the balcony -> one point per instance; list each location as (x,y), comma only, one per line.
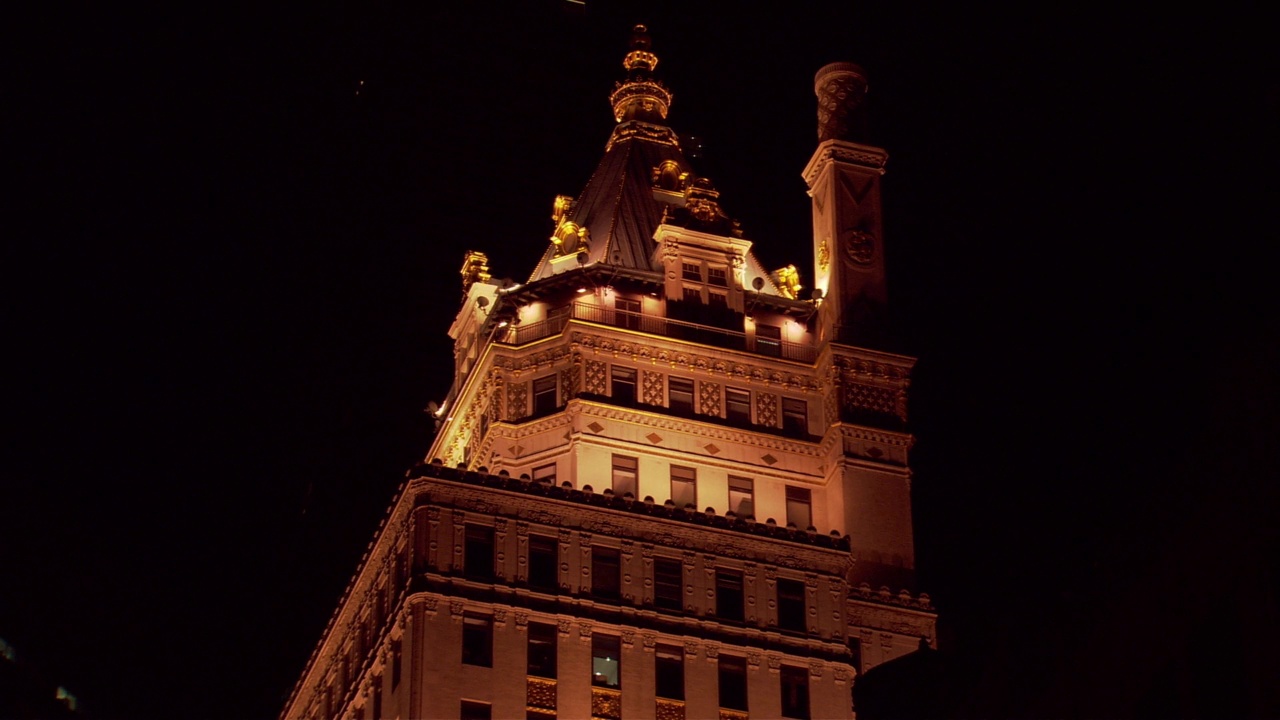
(655,325)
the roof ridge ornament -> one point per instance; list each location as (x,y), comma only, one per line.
(640,96)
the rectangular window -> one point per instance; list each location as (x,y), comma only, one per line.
(544,394)
(624,384)
(691,271)
(717,299)
(377,697)
(742,496)
(668,663)
(680,394)
(795,416)
(543,563)
(768,339)
(737,405)
(729,595)
(733,682)
(606,572)
(791,610)
(627,313)
(472,710)
(717,276)
(397,662)
(799,507)
(545,473)
(692,295)
(542,649)
(795,692)
(668,583)
(684,484)
(606,661)
(477,640)
(478,552)
(625,476)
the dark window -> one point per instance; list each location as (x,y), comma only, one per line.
(795,692)
(691,271)
(693,295)
(799,507)
(768,340)
(543,563)
(545,473)
(542,649)
(668,663)
(733,682)
(627,313)
(795,416)
(680,394)
(791,610)
(472,710)
(377,697)
(606,572)
(544,394)
(625,475)
(397,662)
(717,276)
(855,653)
(737,404)
(477,640)
(718,299)
(668,583)
(478,552)
(742,496)
(484,425)
(729,595)
(624,384)
(606,661)
(684,484)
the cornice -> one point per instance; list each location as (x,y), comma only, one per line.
(842,151)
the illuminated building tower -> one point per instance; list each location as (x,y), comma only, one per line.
(667,482)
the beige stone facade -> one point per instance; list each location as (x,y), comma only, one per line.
(667,483)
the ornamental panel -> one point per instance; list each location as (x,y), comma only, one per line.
(653,388)
(767,409)
(595,380)
(709,398)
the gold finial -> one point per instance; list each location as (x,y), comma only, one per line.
(475,268)
(640,97)
(560,208)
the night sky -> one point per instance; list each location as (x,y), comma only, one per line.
(232,252)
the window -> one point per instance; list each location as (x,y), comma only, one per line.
(791,609)
(729,595)
(737,404)
(542,650)
(668,583)
(768,339)
(693,295)
(606,572)
(397,662)
(624,475)
(684,482)
(718,299)
(680,394)
(624,384)
(668,673)
(717,276)
(545,473)
(627,313)
(795,692)
(478,552)
(543,563)
(795,416)
(377,697)
(472,710)
(691,271)
(544,394)
(606,661)
(742,496)
(799,507)
(733,682)
(477,640)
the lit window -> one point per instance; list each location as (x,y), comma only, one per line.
(733,682)
(737,405)
(542,650)
(742,496)
(478,552)
(795,416)
(624,384)
(544,394)
(795,692)
(624,475)
(606,661)
(680,394)
(768,339)
(477,640)
(543,563)
(668,663)
(606,572)
(791,610)
(729,595)
(691,271)
(684,486)
(717,276)
(799,507)
(668,583)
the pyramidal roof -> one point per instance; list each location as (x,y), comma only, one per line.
(643,181)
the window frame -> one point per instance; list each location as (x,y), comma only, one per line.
(736,484)
(623,383)
(663,579)
(792,607)
(730,595)
(477,639)
(544,394)
(736,398)
(601,644)
(796,703)
(546,636)
(536,567)
(679,486)
(731,680)
(668,672)
(475,539)
(797,497)
(627,468)
(606,572)
(672,390)
(795,415)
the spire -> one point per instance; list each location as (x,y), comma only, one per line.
(640,97)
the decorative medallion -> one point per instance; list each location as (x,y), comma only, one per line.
(860,247)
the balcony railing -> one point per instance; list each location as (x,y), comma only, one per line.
(656,325)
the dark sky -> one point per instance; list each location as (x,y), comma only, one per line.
(230,275)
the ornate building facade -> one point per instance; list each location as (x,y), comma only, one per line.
(667,482)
